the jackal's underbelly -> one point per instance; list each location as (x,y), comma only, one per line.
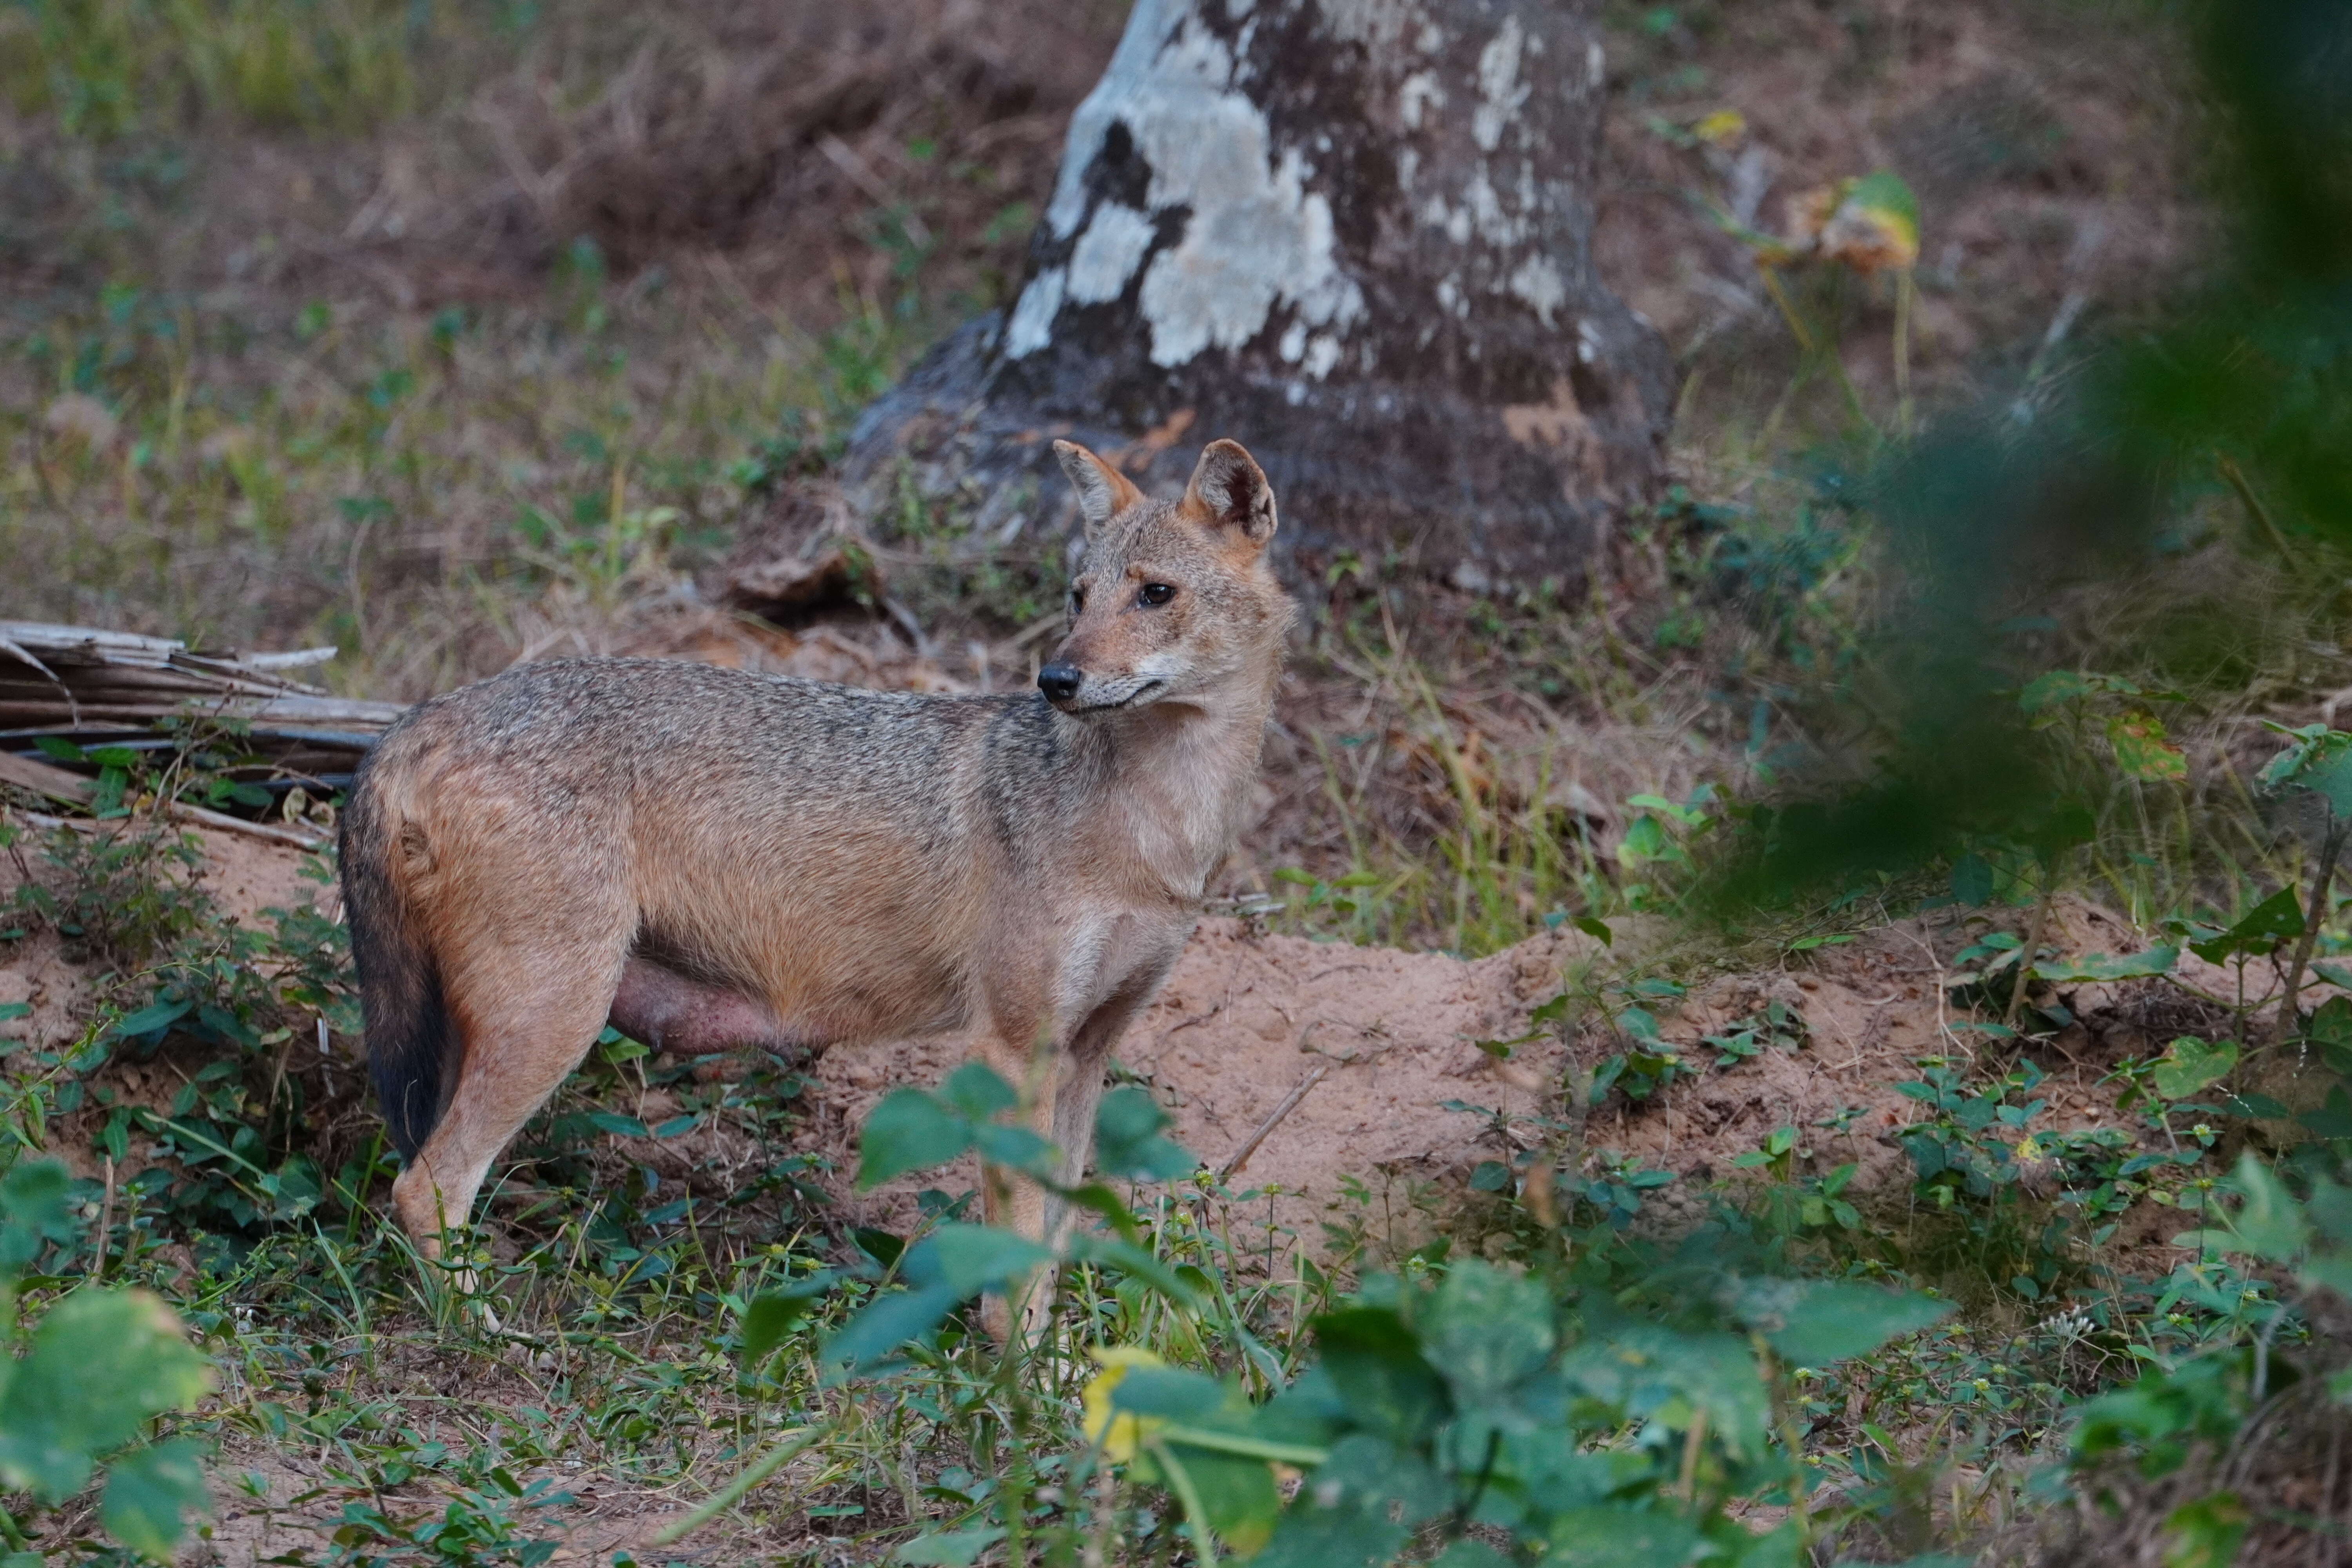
(829,946)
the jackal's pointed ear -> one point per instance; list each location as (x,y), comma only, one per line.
(1229,491)
(1103,491)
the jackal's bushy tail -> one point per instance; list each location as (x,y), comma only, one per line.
(412,1042)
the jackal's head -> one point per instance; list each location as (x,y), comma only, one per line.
(1175,601)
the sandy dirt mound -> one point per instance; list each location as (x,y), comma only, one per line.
(1247,1016)
(1245,1019)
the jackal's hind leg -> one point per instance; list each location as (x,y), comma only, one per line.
(525,1022)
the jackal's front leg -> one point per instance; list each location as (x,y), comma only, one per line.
(1061,1084)
(1013,1202)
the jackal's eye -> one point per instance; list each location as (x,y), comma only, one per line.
(1155,595)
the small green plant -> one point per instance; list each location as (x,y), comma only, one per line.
(914,1130)
(1484,1399)
(124,891)
(2181,1417)
(79,1386)
(2318,766)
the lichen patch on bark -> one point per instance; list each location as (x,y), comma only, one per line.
(1256,235)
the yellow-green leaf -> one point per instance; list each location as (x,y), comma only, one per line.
(1724,128)
(1119,1432)
(1873,224)
(2143,751)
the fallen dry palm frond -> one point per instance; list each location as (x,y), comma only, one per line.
(68,691)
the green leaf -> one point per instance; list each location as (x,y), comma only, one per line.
(975,1090)
(1127,1144)
(2322,764)
(878,1245)
(1169,1393)
(1645,840)
(1344,1531)
(2098,966)
(1236,1493)
(970,1258)
(1137,1263)
(949,1548)
(1972,880)
(148,1492)
(12,1011)
(2330,1028)
(2206,1533)
(888,1321)
(1596,928)
(2270,1222)
(2333,1119)
(56,747)
(909,1131)
(2190,1065)
(149,1018)
(33,1211)
(1640,1364)
(619,1125)
(1015,1148)
(1375,1362)
(1819,1323)
(1620,1537)
(1783,1546)
(1485,1330)
(2267,924)
(768,1317)
(2048,690)
(102,1363)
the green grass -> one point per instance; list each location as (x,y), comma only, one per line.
(109,68)
(436,497)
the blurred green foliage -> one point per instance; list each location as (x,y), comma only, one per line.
(2241,387)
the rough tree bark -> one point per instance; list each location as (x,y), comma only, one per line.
(1354,235)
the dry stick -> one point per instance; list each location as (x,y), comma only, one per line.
(1903,291)
(105,1222)
(72,789)
(1240,1156)
(2330,847)
(2254,507)
(2032,944)
(795,1444)
(1687,1484)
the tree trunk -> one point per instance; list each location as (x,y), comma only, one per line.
(1354,235)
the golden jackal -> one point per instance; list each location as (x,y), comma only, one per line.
(708,857)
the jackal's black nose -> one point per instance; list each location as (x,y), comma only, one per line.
(1059,681)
